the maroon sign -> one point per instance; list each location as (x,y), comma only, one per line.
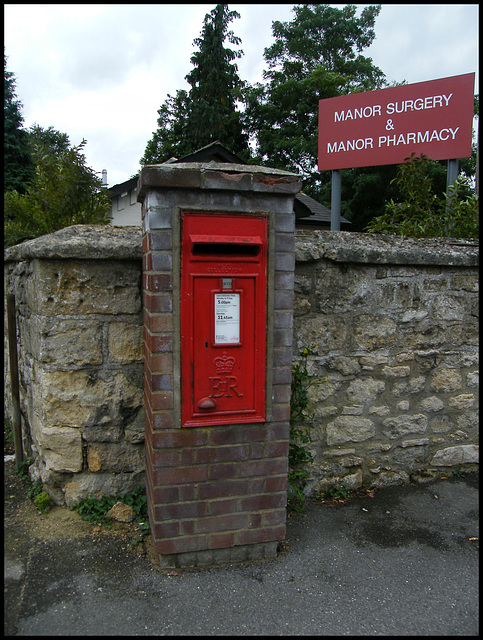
(385,126)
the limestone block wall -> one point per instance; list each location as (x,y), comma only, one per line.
(396,327)
(395,321)
(79,320)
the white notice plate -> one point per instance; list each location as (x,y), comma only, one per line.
(227,318)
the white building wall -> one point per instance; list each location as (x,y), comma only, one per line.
(126,210)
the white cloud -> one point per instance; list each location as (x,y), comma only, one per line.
(101,71)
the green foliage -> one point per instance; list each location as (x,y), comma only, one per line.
(63,192)
(298,454)
(421,213)
(315,56)
(43,502)
(8,438)
(18,166)
(35,491)
(94,509)
(191,120)
(337,492)
(23,470)
(49,140)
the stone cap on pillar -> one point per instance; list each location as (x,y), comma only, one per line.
(218,176)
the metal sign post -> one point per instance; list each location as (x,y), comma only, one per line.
(452,173)
(335,200)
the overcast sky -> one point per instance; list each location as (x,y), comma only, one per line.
(101,72)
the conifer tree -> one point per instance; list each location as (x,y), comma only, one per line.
(207,112)
(18,167)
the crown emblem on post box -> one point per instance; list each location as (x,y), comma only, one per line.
(224,363)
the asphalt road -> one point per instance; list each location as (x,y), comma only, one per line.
(404,562)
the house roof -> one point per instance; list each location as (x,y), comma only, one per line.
(117,189)
(306,209)
(213,151)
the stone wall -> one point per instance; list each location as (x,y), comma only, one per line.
(79,318)
(396,327)
(395,323)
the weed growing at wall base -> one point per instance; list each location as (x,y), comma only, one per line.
(298,454)
(94,509)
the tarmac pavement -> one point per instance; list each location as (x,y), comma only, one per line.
(404,562)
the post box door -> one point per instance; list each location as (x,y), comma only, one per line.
(223,319)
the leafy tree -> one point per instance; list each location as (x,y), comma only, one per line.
(421,212)
(46,141)
(207,112)
(315,56)
(18,167)
(64,191)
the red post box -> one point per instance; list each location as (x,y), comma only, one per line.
(223,318)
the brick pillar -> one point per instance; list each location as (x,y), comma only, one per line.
(215,493)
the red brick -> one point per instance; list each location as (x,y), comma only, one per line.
(277,483)
(282,356)
(222,540)
(228,522)
(257,485)
(159,344)
(281,393)
(189,527)
(166,529)
(169,458)
(273,517)
(161,400)
(162,420)
(263,467)
(222,471)
(276,449)
(147,261)
(159,362)
(282,375)
(281,412)
(181,475)
(158,302)
(180,545)
(180,438)
(254,433)
(159,240)
(230,505)
(267,501)
(159,322)
(224,489)
(224,435)
(257,450)
(157,282)
(160,382)
(163,495)
(254,520)
(252,536)
(222,454)
(188,492)
(180,511)
(278,431)
(161,261)
(188,457)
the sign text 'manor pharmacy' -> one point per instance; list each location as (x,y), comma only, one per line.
(385,126)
